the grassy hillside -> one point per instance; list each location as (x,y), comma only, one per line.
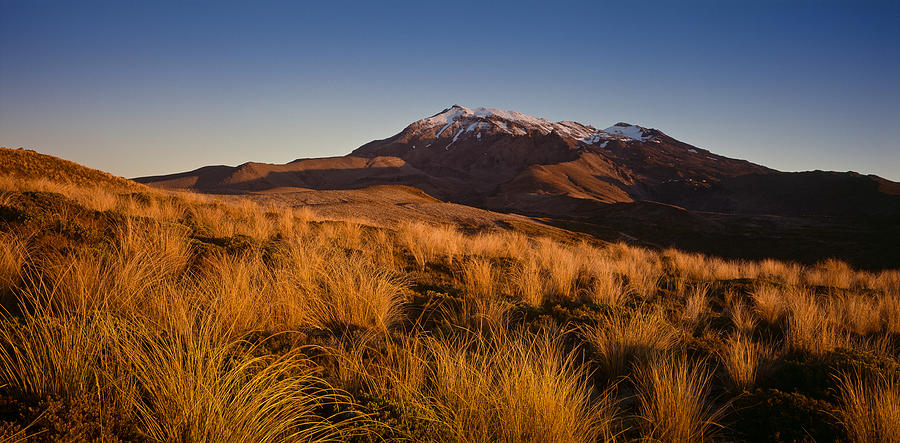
(31,165)
(141,315)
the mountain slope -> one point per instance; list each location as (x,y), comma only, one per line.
(320,173)
(833,194)
(299,184)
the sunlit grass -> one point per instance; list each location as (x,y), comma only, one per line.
(870,407)
(744,360)
(175,313)
(619,340)
(196,387)
(674,401)
(510,387)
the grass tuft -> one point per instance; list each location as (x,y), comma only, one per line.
(674,401)
(870,406)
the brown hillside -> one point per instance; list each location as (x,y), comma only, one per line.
(28,164)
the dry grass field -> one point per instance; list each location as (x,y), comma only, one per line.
(139,315)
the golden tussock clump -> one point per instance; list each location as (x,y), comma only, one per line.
(744,360)
(870,406)
(674,401)
(620,340)
(511,387)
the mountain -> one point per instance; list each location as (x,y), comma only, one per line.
(513,161)
(615,183)
(494,158)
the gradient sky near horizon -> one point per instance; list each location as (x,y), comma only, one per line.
(153,87)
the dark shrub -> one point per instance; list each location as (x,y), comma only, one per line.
(770,415)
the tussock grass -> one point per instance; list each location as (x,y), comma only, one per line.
(698,267)
(511,387)
(605,287)
(859,314)
(809,328)
(890,313)
(744,360)
(237,291)
(619,341)
(43,354)
(180,386)
(787,273)
(768,303)
(696,304)
(742,317)
(479,277)
(480,307)
(356,293)
(308,286)
(641,269)
(26,170)
(91,196)
(887,281)
(870,407)
(674,401)
(527,280)
(210,220)
(431,243)
(175,312)
(561,265)
(12,258)
(179,380)
(503,244)
(477,314)
(831,273)
(324,288)
(195,387)
(123,282)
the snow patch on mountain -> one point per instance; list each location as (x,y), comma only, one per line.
(444,128)
(630,131)
(596,138)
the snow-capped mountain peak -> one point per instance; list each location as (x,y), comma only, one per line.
(457,112)
(511,122)
(458,122)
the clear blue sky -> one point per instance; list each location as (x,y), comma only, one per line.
(139,88)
